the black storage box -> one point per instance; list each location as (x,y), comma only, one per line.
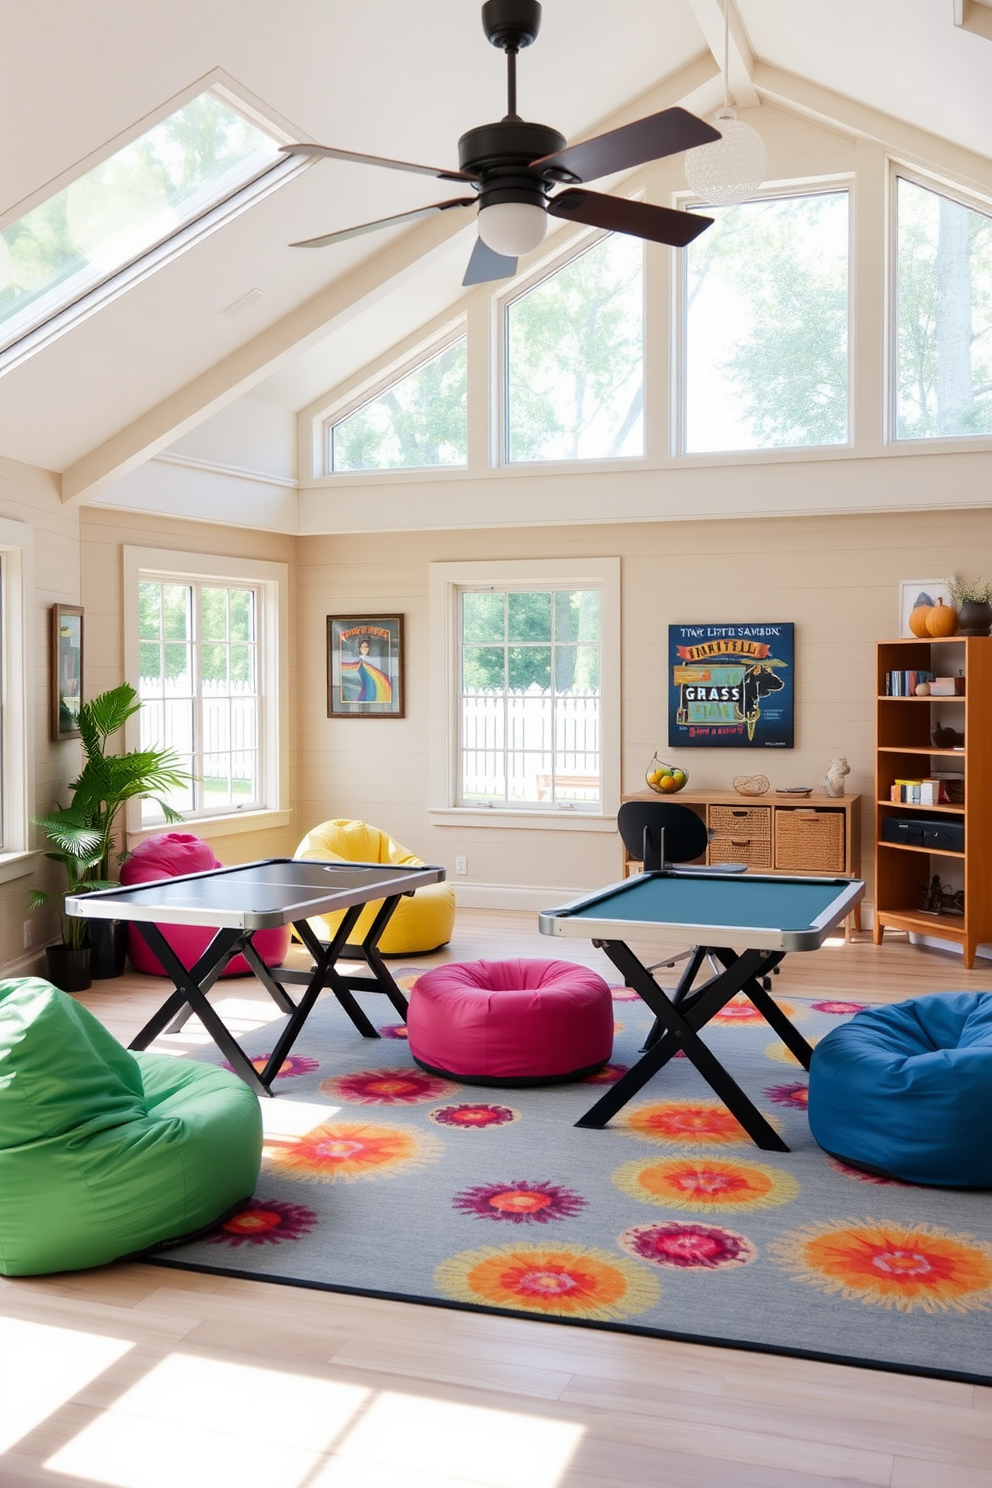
(939,833)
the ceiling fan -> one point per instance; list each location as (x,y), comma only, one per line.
(513,166)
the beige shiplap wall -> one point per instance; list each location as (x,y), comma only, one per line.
(32,496)
(103,536)
(836,578)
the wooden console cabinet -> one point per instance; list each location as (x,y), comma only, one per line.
(774,834)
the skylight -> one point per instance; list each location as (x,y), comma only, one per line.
(130,203)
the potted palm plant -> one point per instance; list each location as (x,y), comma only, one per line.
(83,834)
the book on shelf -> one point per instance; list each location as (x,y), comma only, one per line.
(904,684)
(930,792)
(947,687)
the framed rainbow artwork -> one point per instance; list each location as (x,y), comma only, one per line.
(365,666)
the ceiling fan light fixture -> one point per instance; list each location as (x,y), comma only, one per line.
(512,228)
(730,169)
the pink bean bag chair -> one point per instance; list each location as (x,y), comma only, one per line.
(170,855)
(511,1022)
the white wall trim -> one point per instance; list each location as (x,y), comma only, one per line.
(17,560)
(504,896)
(215,467)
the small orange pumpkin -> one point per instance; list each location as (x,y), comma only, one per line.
(942,620)
(918,620)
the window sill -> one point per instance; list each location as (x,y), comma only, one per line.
(16,865)
(216,826)
(545,821)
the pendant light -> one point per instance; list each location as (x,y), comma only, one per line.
(731,168)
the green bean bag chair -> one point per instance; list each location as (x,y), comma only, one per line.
(104,1153)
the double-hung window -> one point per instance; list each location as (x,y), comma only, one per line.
(526,659)
(205,637)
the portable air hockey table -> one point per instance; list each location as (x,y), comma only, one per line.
(259,896)
(743,923)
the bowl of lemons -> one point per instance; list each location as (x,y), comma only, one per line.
(664,779)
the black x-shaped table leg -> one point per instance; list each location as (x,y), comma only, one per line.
(678,1020)
(193,985)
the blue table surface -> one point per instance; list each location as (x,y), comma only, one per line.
(698,900)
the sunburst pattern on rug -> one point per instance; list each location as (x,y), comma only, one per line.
(352,1150)
(684,1124)
(783,1055)
(882,1263)
(687,1245)
(387,1087)
(741,1009)
(265,1222)
(706,1183)
(574,1281)
(473,1116)
(520,1203)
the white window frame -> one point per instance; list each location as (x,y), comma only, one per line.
(499,409)
(17,854)
(446,581)
(272,582)
(358,396)
(937,186)
(148,262)
(679,340)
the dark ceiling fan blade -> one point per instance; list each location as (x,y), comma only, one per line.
(640,219)
(620,149)
(330,153)
(486,264)
(367,227)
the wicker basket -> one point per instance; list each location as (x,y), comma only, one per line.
(741,821)
(809,840)
(755,851)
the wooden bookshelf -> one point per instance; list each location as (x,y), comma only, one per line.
(903,750)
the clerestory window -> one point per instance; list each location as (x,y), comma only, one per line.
(943,355)
(765,326)
(132,202)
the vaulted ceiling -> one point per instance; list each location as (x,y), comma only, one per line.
(395,78)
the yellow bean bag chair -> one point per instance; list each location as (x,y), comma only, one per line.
(420,923)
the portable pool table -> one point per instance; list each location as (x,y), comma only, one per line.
(744,923)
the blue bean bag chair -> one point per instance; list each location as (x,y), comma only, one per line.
(906,1090)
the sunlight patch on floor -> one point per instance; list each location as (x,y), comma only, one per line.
(292,1118)
(195,1421)
(42,1367)
(412,1440)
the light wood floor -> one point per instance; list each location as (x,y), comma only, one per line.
(145,1378)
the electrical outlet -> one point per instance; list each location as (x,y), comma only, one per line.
(461,865)
(27,935)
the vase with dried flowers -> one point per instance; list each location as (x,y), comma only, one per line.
(972,599)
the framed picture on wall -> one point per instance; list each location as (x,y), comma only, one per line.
(365,666)
(66,670)
(731,686)
(913,592)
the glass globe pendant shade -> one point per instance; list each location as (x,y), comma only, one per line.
(730,169)
(512,228)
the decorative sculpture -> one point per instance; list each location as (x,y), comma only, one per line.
(833,781)
(940,900)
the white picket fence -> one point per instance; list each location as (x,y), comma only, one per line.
(530,747)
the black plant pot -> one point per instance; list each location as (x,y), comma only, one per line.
(69,967)
(108,948)
(975,618)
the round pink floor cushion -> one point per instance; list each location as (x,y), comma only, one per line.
(169,855)
(511,1022)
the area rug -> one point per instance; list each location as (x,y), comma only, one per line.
(382,1180)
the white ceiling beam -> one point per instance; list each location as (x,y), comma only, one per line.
(311,322)
(709,17)
(837,112)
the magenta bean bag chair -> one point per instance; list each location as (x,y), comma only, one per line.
(170,855)
(511,1022)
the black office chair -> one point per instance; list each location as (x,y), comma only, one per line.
(663,834)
